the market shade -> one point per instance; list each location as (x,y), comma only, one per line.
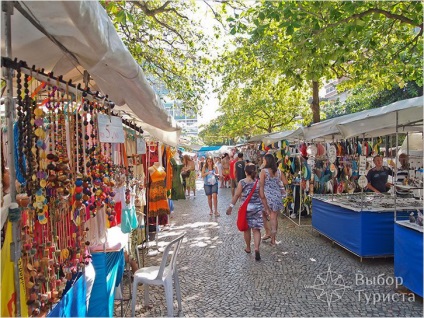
(67,37)
(382,121)
(290,135)
(325,130)
(226,149)
(258,137)
(413,144)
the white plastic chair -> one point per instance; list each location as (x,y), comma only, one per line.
(160,275)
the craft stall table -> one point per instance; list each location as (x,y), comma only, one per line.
(109,264)
(409,255)
(73,303)
(362,224)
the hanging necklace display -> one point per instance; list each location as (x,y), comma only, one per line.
(26,134)
(20,167)
(54,234)
(30,137)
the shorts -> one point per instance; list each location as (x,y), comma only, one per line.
(226,174)
(209,189)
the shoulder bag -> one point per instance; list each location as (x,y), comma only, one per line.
(242,212)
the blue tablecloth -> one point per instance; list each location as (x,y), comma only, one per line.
(409,257)
(109,269)
(366,234)
(72,303)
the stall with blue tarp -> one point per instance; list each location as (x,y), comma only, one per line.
(73,303)
(206,149)
(366,231)
(109,269)
(409,255)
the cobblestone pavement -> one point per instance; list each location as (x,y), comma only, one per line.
(219,279)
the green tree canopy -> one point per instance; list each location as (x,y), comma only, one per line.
(170,44)
(376,44)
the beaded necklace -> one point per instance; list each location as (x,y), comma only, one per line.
(21,170)
(29,137)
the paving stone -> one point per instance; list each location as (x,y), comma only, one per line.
(218,279)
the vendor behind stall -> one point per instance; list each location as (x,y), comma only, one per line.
(378,176)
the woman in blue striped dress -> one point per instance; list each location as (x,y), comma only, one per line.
(254,208)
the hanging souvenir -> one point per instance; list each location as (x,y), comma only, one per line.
(321,151)
(362,181)
(302,150)
(311,150)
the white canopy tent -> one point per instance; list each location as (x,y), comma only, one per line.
(413,144)
(368,123)
(401,116)
(68,37)
(226,149)
(326,130)
(258,137)
(290,135)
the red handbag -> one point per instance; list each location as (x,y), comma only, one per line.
(241,216)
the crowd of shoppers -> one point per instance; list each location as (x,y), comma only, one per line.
(242,176)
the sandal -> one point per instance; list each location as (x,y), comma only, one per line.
(217,214)
(266,237)
(210,213)
(257,256)
(247,251)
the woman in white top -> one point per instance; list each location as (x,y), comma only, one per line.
(209,175)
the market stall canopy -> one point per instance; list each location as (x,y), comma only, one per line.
(191,146)
(290,135)
(208,150)
(68,37)
(226,149)
(406,115)
(325,130)
(413,144)
(258,138)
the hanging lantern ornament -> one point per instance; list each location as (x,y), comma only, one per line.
(302,150)
(332,154)
(312,150)
(321,150)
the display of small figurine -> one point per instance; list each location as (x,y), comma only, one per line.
(419,219)
(412,217)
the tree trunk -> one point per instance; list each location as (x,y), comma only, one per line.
(315,102)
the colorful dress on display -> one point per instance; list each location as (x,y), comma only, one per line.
(158,200)
(177,185)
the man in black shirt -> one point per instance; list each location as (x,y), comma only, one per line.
(240,167)
(378,176)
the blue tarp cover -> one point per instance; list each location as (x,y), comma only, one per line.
(203,151)
(365,233)
(409,258)
(209,148)
(109,269)
(73,303)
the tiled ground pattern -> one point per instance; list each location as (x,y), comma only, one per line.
(218,279)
